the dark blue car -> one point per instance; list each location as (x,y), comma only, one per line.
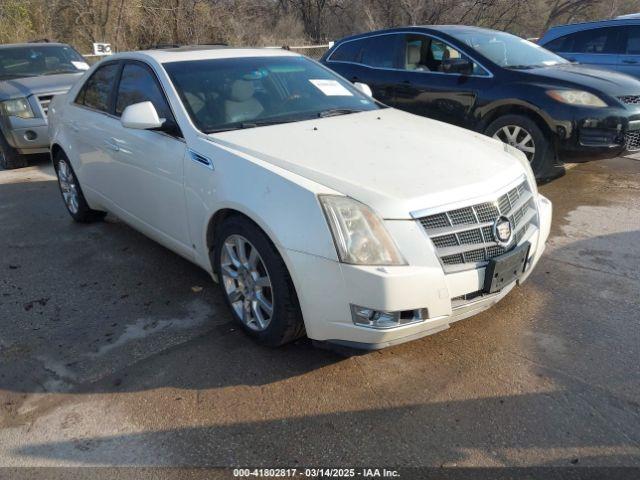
(500,85)
(612,44)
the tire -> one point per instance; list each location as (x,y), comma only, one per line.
(9,156)
(242,278)
(524,134)
(71,192)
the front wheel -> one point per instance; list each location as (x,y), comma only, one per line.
(524,134)
(72,195)
(9,156)
(256,283)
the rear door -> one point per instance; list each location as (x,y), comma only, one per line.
(88,122)
(596,46)
(432,86)
(372,60)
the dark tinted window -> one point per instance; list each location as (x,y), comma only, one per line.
(562,44)
(348,52)
(380,51)
(138,84)
(598,40)
(97,91)
(633,41)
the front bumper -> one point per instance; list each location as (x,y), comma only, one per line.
(395,289)
(26,135)
(597,133)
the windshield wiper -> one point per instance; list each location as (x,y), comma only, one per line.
(257,123)
(337,111)
(522,67)
(10,76)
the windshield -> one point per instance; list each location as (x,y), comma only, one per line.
(36,60)
(508,50)
(232,93)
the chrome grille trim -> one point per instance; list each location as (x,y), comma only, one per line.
(630,99)
(464,238)
(44,101)
(632,140)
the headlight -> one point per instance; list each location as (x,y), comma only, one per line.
(576,97)
(359,234)
(17,107)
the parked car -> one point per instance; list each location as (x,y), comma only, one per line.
(316,208)
(30,75)
(612,44)
(497,84)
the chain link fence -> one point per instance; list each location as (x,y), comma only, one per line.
(311,51)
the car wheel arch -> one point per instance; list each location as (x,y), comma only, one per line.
(218,218)
(55,150)
(519,108)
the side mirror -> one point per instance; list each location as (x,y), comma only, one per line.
(457,65)
(364,88)
(141,116)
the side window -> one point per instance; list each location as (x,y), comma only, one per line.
(138,84)
(348,52)
(598,40)
(425,54)
(380,51)
(633,41)
(96,92)
(560,45)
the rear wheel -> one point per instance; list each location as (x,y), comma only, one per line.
(256,283)
(72,193)
(523,133)
(9,156)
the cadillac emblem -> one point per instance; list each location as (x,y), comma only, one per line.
(502,231)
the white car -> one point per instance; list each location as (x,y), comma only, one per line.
(316,208)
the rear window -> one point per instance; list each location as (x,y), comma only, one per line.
(348,52)
(96,92)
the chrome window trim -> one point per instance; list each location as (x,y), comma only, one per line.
(489,73)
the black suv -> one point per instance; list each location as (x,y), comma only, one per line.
(498,84)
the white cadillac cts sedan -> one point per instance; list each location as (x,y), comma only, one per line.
(316,208)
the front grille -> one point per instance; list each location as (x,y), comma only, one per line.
(464,237)
(632,140)
(630,99)
(45,100)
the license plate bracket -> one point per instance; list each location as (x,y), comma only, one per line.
(505,269)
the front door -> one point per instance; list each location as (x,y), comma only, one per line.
(149,164)
(438,81)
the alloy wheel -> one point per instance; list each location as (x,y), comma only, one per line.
(68,186)
(246,282)
(519,138)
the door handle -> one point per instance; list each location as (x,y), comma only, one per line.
(630,61)
(111,145)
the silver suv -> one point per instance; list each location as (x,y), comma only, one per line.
(30,75)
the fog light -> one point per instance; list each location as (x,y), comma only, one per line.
(368,317)
(30,135)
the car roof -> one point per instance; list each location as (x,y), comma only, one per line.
(203,52)
(433,29)
(561,30)
(34,44)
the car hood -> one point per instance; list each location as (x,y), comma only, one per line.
(23,87)
(606,81)
(393,161)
